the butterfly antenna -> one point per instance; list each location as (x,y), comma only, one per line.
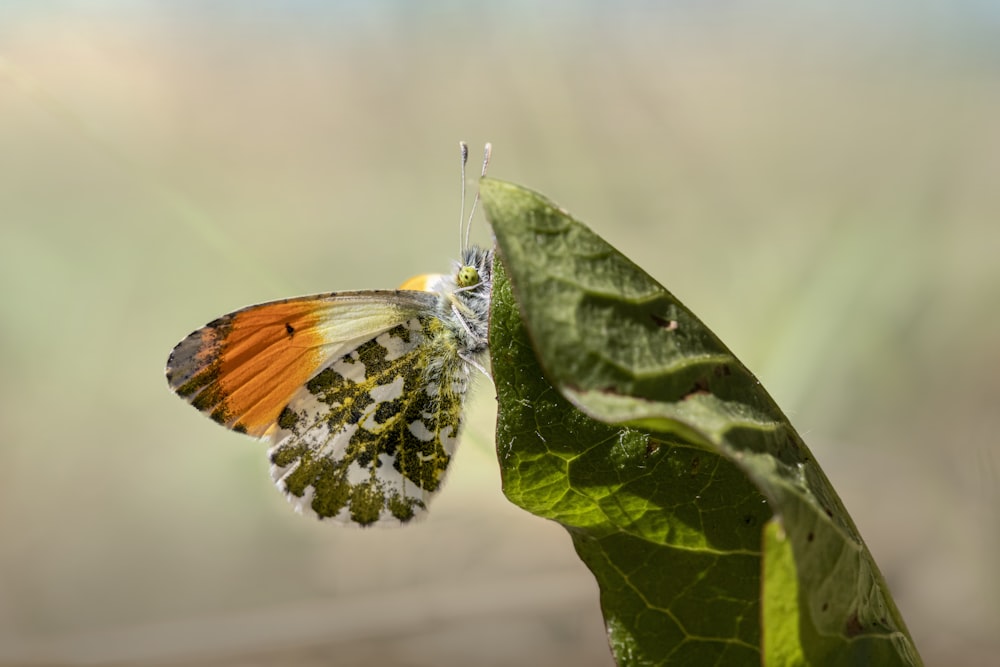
(486,162)
(464,147)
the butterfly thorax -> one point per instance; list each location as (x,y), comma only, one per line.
(464,300)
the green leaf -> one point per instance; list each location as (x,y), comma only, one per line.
(713,535)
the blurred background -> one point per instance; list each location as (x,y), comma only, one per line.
(819,184)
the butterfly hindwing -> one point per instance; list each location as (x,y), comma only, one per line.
(369,438)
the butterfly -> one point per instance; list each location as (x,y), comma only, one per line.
(359,394)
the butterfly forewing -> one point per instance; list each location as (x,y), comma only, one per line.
(243,368)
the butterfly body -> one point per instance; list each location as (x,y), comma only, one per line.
(360,394)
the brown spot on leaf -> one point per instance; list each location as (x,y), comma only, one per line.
(663,323)
(695,465)
(699,387)
(853,627)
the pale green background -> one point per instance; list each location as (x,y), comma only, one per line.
(822,187)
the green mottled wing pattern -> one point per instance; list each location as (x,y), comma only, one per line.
(369,438)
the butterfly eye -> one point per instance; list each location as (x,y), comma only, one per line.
(467,277)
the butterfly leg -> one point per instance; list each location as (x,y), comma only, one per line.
(473,362)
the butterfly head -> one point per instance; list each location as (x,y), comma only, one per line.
(467,276)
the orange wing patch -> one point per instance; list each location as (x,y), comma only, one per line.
(269,353)
(243,368)
(425,282)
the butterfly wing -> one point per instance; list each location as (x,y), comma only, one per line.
(359,393)
(368,439)
(243,368)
